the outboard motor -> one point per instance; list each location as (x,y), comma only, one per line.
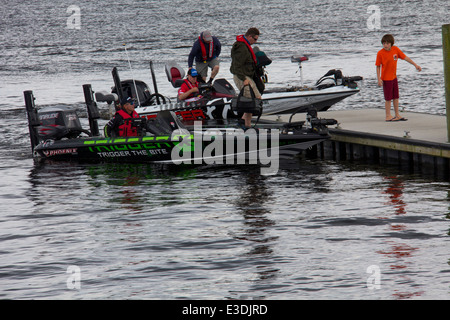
(59,122)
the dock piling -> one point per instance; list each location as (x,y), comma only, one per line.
(446,56)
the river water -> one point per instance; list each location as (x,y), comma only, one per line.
(316,230)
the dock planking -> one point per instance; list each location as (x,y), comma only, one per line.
(419,144)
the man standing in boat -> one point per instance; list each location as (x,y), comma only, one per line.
(243,67)
(121,125)
(205,52)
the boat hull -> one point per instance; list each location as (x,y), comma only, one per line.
(273,103)
(184,148)
(300,101)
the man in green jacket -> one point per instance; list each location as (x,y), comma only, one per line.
(243,66)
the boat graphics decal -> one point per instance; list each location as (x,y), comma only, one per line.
(130,153)
(50,153)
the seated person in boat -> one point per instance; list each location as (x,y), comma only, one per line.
(121,125)
(189,91)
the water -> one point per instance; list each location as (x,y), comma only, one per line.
(316,230)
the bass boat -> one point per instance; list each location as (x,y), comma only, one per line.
(216,97)
(56,134)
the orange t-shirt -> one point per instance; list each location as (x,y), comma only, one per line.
(388,62)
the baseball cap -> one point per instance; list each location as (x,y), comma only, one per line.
(207,35)
(193,72)
(126,100)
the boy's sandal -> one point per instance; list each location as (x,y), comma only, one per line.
(399,119)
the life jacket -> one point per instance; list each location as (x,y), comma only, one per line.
(126,129)
(211,49)
(190,86)
(243,39)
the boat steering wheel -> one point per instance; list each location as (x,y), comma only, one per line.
(157,96)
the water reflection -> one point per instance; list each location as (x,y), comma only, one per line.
(395,193)
(399,252)
(129,186)
(136,186)
(254,195)
(50,182)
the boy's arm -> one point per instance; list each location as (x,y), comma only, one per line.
(380,82)
(407,59)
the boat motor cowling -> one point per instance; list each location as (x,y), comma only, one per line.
(58,122)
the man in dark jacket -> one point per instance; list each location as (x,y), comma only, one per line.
(205,52)
(243,66)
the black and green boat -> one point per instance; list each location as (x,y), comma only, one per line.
(56,134)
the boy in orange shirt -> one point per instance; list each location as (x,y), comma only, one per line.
(387,74)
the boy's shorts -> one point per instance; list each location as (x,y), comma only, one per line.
(390,89)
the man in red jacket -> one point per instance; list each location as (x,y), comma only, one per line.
(188,91)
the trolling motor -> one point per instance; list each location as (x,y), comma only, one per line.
(337,79)
(333,74)
(316,124)
(299,60)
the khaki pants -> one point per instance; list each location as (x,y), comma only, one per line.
(202,67)
(240,84)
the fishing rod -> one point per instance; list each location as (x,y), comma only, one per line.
(132,74)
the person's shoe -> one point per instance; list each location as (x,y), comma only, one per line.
(241,124)
(210,81)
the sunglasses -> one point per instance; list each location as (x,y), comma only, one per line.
(130,101)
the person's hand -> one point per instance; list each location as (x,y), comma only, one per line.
(418,68)
(380,82)
(246,82)
(195,89)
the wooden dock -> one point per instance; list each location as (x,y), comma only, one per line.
(417,145)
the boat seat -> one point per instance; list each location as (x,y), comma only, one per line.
(102,96)
(175,74)
(299,59)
